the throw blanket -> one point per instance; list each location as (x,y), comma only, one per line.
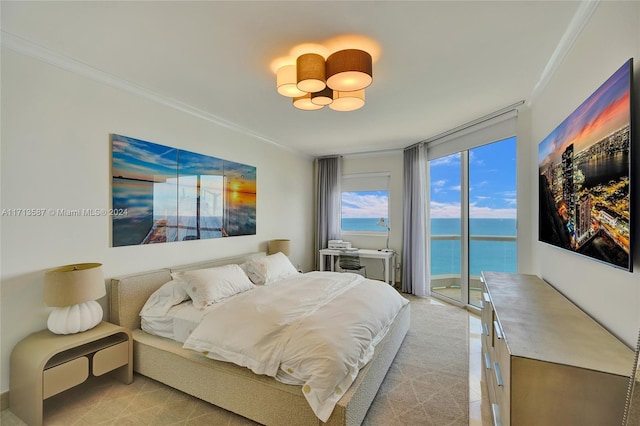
(316,329)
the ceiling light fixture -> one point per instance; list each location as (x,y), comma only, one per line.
(337,82)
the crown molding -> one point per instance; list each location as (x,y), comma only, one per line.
(43,54)
(583,14)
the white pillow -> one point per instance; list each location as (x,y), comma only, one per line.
(269,269)
(208,286)
(158,304)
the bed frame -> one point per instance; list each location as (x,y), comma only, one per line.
(235,388)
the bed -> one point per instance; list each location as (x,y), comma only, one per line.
(232,387)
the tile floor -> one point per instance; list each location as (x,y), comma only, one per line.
(479,407)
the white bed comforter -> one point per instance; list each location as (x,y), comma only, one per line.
(317,329)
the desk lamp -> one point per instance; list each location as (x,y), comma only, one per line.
(382,222)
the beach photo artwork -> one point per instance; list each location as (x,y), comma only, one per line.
(176,195)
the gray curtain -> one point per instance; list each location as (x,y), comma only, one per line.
(415,230)
(328,227)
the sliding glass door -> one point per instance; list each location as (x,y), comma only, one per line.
(473,218)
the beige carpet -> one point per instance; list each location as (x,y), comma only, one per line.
(427,385)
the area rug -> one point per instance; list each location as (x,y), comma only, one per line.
(428,383)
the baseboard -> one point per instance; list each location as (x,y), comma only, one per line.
(4,400)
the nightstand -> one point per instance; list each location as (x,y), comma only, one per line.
(44,364)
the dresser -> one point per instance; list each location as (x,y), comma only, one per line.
(545,361)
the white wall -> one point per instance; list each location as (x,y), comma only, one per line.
(609,39)
(56,154)
(387,162)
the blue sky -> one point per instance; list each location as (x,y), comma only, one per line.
(492,182)
(370,204)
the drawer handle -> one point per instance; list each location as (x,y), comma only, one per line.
(485,329)
(495,410)
(498,373)
(498,330)
(487,361)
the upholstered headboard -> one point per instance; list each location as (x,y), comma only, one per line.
(128,293)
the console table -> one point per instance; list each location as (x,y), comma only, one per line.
(388,256)
(545,361)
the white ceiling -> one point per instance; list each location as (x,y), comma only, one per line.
(442,64)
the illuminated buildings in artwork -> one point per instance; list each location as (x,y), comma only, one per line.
(583,217)
(567,180)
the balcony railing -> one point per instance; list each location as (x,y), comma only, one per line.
(483,260)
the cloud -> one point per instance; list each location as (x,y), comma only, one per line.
(449,160)
(365,204)
(453,210)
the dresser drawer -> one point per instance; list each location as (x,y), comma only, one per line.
(64,376)
(110,358)
(502,375)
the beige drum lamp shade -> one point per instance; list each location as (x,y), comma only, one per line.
(286,82)
(304,103)
(283,246)
(72,290)
(347,101)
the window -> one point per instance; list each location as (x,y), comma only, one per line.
(472,208)
(365,201)
(473,217)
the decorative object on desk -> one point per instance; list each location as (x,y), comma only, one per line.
(338,244)
(350,260)
(73,290)
(281,245)
(382,222)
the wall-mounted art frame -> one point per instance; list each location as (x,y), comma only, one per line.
(585,176)
(176,195)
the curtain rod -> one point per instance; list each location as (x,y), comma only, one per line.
(469,124)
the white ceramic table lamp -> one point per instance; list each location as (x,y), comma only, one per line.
(73,290)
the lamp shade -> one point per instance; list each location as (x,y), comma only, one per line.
(283,246)
(310,72)
(347,101)
(323,97)
(304,103)
(286,81)
(349,70)
(73,284)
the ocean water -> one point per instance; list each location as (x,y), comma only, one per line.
(497,256)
